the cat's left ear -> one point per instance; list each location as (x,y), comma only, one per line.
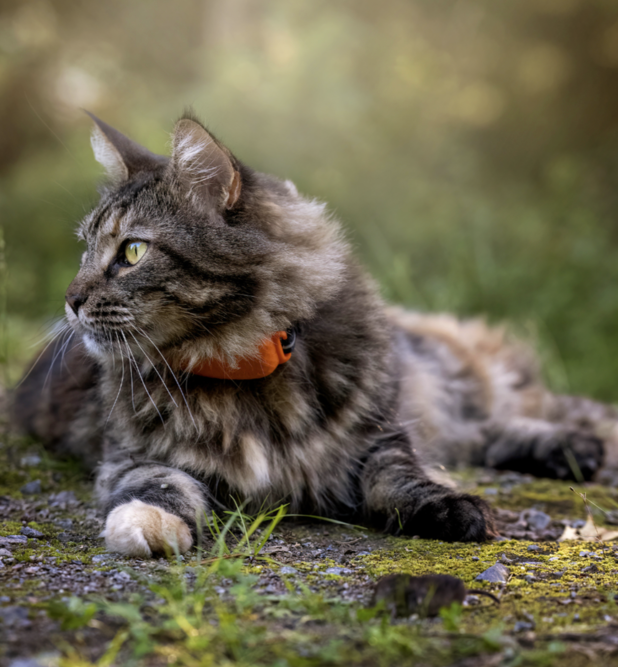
(121,156)
(203,166)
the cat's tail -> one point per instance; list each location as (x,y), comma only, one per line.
(56,402)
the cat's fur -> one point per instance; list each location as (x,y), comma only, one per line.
(345,429)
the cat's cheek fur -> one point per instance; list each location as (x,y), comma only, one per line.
(141,530)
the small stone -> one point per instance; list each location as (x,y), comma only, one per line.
(26,662)
(475,558)
(101,558)
(31,532)
(14,616)
(288,569)
(65,524)
(583,554)
(63,498)
(31,488)
(13,539)
(496,574)
(537,520)
(530,578)
(337,570)
(490,491)
(534,547)
(591,569)
(32,460)
(5,553)
(523,626)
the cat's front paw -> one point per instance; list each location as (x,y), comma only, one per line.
(454,517)
(141,530)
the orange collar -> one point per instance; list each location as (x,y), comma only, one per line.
(271,354)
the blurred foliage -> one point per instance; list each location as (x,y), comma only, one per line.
(469,146)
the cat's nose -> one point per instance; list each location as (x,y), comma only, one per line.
(76,300)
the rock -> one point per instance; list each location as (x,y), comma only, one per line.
(591,569)
(31,532)
(63,498)
(337,570)
(31,488)
(288,569)
(534,547)
(491,491)
(14,616)
(5,553)
(496,574)
(523,626)
(65,524)
(537,520)
(30,461)
(101,558)
(13,540)
(26,662)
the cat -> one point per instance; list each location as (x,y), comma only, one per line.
(226,347)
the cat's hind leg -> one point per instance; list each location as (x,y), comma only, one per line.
(400,498)
(544,449)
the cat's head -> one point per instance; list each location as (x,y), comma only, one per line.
(197,253)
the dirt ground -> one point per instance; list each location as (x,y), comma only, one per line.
(299,591)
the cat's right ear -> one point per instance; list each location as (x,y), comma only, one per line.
(205,169)
(121,157)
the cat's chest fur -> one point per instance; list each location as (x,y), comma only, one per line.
(264,439)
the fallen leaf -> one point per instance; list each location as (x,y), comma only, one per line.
(588,533)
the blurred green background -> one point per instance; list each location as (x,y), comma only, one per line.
(469,146)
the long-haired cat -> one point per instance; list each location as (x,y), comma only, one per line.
(225,344)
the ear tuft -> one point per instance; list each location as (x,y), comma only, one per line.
(204,167)
(106,154)
(121,157)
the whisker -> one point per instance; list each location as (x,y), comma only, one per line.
(121,383)
(56,353)
(155,369)
(182,393)
(142,379)
(59,333)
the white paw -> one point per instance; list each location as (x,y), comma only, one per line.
(139,529)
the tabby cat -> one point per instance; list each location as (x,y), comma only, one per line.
(225,347)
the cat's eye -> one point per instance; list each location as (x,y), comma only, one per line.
(134,251)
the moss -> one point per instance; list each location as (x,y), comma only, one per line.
(546,599)
(554,497)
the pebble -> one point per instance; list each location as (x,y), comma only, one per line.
(591,569)
(537,520)
(523,626)
(13,539)
(31,488)
(288,569)
(5,553)
(101,558)
(14,616)
(491,491)
(496,574)
(65,524)
(534,547)
(31,532)
(32,460)
(337,570)
(25,662)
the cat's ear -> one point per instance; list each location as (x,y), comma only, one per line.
(121,157)
(204,167)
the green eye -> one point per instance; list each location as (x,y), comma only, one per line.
(134,251)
